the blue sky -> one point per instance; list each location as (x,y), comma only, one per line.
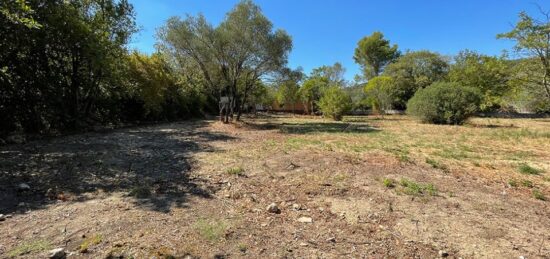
(325,32)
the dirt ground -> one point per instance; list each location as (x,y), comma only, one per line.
(363,188)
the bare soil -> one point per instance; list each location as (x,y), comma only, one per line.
(200,189)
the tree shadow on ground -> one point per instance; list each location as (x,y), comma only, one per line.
(151,164)
(310,127)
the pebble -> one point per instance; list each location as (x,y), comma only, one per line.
(57,253)
(2,217)
(296,206)
(443,253)
(305,220)
(331,239)
(23,187)
(273,208)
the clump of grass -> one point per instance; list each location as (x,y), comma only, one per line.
(388,183)
(417,189)
(140,192)
(236,170)
(30,247)
(527,169)
(94,240)
(212,230)
(437,165)
(527,183)
(513,183)
(539,195)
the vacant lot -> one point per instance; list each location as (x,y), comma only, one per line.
(366,187)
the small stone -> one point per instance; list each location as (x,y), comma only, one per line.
(273,208)
(296,206)
(23,187)
(303,244)
(305,220)
(2,217)
(443,253)
(331,239)
(263,225)
(57,253)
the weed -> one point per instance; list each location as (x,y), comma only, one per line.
(212,230)
(538,195)
(237,170)
(527,169)
(30,247)
(513,183)
(95,240)
(437,165)
(527,183)
(140,192)
(388,183)
(417,189)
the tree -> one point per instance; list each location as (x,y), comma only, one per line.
(444,103)
(414,71)
(335,103)
(289,87)
(334,74)
(379,93)
(241,50)
(488,74)
(532,37)
(373,53)
(310,91)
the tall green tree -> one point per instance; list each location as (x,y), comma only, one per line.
(241,50)
(413,71)
(532,37)
(373,53)
(379,93)
(488,74)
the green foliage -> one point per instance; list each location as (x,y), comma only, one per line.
(388,183)
(379,93)
(335,103)
(238,171)
(373,53)
(531,37)
(444,103)
(414,71)
(417,189)
(527,169)
(488,74)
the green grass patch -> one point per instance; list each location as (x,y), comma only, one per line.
(436,164)
(211,230)
(527,183)
(527,169)
(91,241)
(236,170)
(538,195)
(31,247)
(417,189)
(388,183)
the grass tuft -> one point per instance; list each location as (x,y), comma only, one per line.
(417,189)
(388,183)
(140,192)
(527,169)
(211,230)
(30,247)
(237,170)
(91,241)
(539,195)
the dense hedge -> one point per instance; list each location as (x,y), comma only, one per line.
(444,103)
(335,103)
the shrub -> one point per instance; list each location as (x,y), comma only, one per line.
(444,103)
(335,103)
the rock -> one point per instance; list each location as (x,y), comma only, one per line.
(305,220)
(2,217)
(303,244)
(23,187)
(296,206)
(57,253)
(331,239)
(273,208)
(16,139)
(443,253)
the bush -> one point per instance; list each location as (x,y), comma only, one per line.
(335,103)
(444,103)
